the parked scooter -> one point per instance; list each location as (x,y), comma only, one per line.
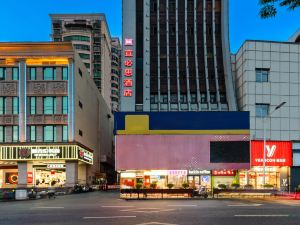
(202,192)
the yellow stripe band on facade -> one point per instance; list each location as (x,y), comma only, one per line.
(166,132)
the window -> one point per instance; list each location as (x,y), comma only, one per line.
(2,73)
(183,98)
(84,56)
(15,73)
(87,65)
(65,134)
(193,98)
(82,47)
(32,133)
(49,133)
(49,73)
(2,105)
(15,134)
(262,110)
(15,105)
(80,104)
(2,133)
(80,133)
(32,105)
(80,72)
(32,73)
(65,73)
(262,75)
(49,105)
(65,104)
(203,98)
(77,38)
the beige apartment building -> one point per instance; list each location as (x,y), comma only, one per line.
(55,127)
(90,36)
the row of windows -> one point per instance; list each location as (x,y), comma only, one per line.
(49,105)
(77,38)
(49,73)
(15,73)
(84,56)
(82,47)
(49,133)
(184,99)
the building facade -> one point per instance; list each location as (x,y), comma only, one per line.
(201,148)
(91,38)
(176,56)
(54,124)
(115,73)
(267,74)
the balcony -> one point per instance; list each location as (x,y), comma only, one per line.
(6,120)
(59,119)
(9,88)
(41,88)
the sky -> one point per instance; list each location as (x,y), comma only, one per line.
(28,20)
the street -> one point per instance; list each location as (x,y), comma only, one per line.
(108,209)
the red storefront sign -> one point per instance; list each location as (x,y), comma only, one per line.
(128,70)
(278,153)
(224,172)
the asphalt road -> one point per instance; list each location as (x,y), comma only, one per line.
(106,209)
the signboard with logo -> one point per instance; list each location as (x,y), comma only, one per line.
(278,153)
(46,152)
(199,172)
(224,172)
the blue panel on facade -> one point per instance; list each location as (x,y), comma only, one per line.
(190,120)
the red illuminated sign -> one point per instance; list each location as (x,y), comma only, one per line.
(224,172)
(127,82)
(128,73)
(128,63)
(128,53)
(278,153)
(127,93)
(128,42)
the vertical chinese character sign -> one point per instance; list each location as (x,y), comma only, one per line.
(128,68)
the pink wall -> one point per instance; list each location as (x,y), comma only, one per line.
(170,152)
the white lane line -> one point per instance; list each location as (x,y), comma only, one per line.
(245,205)
(262,215)
(116,206)
(106,217)
(49,207)
(182,205)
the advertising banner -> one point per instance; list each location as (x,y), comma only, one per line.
(278,153)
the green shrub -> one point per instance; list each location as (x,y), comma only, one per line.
(222,186)
(269,186)
(170,186)
(185,185)
(138,185)
(298,187)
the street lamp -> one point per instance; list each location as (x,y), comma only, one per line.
(264,125)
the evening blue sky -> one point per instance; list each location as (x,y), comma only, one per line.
(28,20)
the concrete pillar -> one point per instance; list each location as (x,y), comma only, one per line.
(82,174)
(71,173)
(22,174)
(71,102)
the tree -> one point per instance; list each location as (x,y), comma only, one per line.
(269,7)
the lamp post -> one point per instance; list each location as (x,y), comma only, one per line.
(264,126)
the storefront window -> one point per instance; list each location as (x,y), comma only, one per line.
(50,178)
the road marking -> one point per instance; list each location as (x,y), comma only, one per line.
(49,207)
(156,223)
(245,205)
(116,206)
(261,215)
(147,210)
(182,205)
(106,217)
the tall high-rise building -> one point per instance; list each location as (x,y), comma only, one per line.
(176,56)
(115,73)
(91,38)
